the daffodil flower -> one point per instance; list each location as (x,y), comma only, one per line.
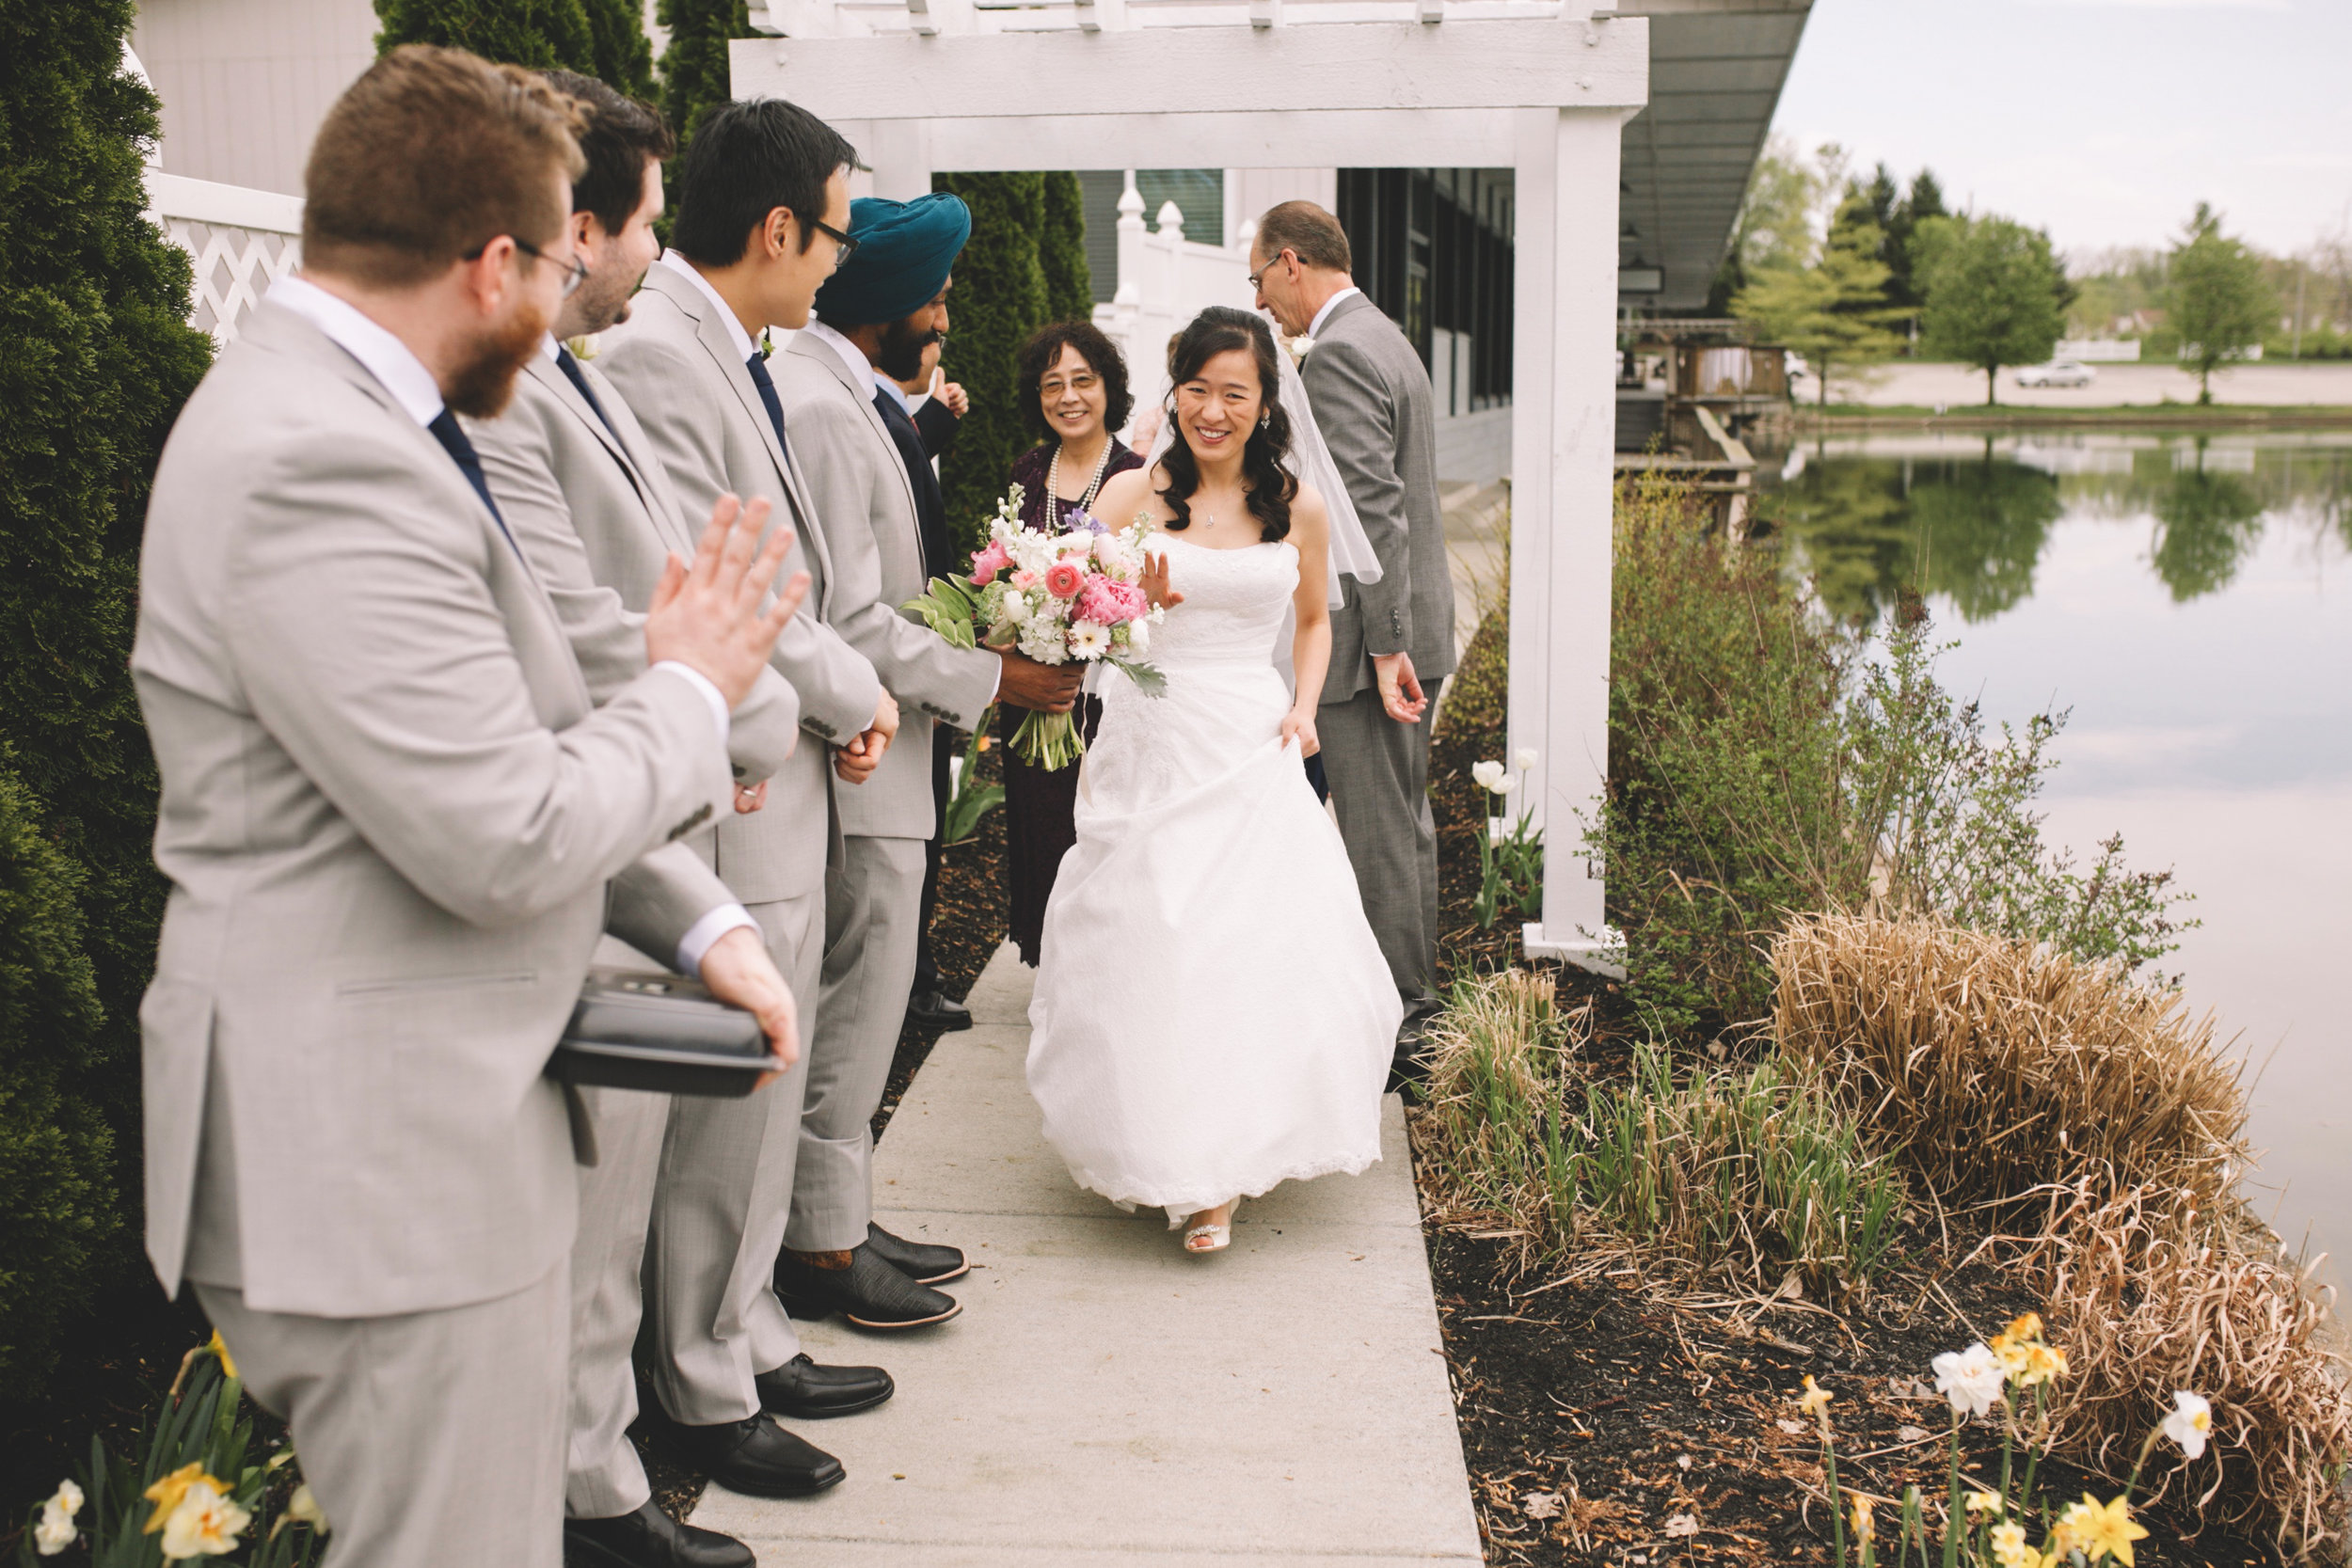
(204,1523)
(2010,1549)
(219,1347)
(55,1531)
(2095,1528)
(1864,1528)
(2191,1422)
(1972,1379)
(166,1492)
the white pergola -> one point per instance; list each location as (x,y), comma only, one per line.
(1100,87)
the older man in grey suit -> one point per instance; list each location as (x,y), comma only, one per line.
(1391,640)
(596,516)
(879,311)
(394,823)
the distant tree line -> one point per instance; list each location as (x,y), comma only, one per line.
(1851,272)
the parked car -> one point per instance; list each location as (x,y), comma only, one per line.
(2057,373)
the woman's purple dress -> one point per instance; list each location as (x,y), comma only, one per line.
(1038,803)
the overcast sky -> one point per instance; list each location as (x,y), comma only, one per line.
(2104,121)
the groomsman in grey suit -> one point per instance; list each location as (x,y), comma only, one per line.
(762,194)
(596,516)
(1391,640)
(877,314)
(394,823)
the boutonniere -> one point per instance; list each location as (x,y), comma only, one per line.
(1300,347)
(584,347)
(766,346)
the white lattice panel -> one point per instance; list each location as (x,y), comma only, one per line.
(234,267)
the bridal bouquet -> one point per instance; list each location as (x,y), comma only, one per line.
(1054,598)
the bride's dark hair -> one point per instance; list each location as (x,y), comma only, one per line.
(1222,329)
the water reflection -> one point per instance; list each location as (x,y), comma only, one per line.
(2188,601)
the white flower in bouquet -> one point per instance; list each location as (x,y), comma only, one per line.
(1045,641)
(1139,635)
(2190,1423)
(1972,1379)
(55,1531)
(1088,641)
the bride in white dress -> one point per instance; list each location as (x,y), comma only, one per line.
(1212,1016)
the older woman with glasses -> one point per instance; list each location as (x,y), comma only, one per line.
(1074,394)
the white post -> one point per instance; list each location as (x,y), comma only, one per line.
(1562,441)
(1130,235)
(901,159)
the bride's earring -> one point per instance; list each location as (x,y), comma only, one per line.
(1264,421)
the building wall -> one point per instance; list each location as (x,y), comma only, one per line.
(244,83)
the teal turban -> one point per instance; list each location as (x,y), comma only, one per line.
(905,250)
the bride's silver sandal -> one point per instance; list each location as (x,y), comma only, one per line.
(1211,1238)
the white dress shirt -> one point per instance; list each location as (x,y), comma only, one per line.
(1316,325)
(383,355)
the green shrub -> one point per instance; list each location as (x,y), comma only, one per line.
(1743,1175)
(57,1205)
(1000,297)
(604,39)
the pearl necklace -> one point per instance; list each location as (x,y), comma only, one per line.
(1053,485)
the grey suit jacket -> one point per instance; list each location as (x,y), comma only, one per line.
(597,519)
(865,505)
(673,363)
(1372,400)
(389,817)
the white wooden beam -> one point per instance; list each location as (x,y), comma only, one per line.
(1390,66)
(1419,138)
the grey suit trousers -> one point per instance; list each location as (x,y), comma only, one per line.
(719,1203)
(1378,770)
(431,1439)
(602,1476)
(873,903)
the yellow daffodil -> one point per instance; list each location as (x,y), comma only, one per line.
(1815,1399)
(219,1347)
(1986,1502)
(2095,1528)
(2043,1364)
(166,1492)
(2190,1424)
(2010,1549)
(1864,1527)
(2026,1326)
(204,1523)
(303,1508)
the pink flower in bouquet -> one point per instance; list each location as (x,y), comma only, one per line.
(1063,579)
(1025,579)
(990,561)
(1109,602)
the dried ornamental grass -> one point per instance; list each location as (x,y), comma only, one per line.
(1500,1055)
(1999,1067)
(2151,1298)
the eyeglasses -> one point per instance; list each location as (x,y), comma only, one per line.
(844,246)
(576,271)
(1253,278)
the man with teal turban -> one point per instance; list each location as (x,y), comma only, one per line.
(878,507)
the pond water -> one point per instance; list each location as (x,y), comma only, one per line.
(2190,601)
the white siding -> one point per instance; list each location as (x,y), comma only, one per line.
(244,83)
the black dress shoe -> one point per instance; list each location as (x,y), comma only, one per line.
(649,1539)
(932,1009)
(753,1456)
(869,1292)
(802,1389)
(920,1261)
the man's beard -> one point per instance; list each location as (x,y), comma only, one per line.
(481,387)
(901,350)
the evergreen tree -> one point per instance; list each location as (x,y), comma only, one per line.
(1061,250)
(1994,293)
(695,70)
(2219,300)
(604,39)
(96,358)
(59,1203)
(1001,297)
(1833,312)
(618,49)
(540,34)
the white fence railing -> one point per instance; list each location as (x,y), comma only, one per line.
(242,241)
(1164,281)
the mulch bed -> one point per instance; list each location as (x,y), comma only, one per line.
(1593,1413)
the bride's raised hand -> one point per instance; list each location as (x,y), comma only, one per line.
(1300,726)
(1155,580)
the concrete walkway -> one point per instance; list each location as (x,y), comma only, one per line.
(1105,1399)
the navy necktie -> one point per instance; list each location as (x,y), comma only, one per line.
(445,430)
(570,367)
(757,365)
(931,509)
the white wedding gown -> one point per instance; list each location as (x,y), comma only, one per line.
(1211,1014)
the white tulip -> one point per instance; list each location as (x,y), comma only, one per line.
(2190,1423)
(1524,758)
(1490,776)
